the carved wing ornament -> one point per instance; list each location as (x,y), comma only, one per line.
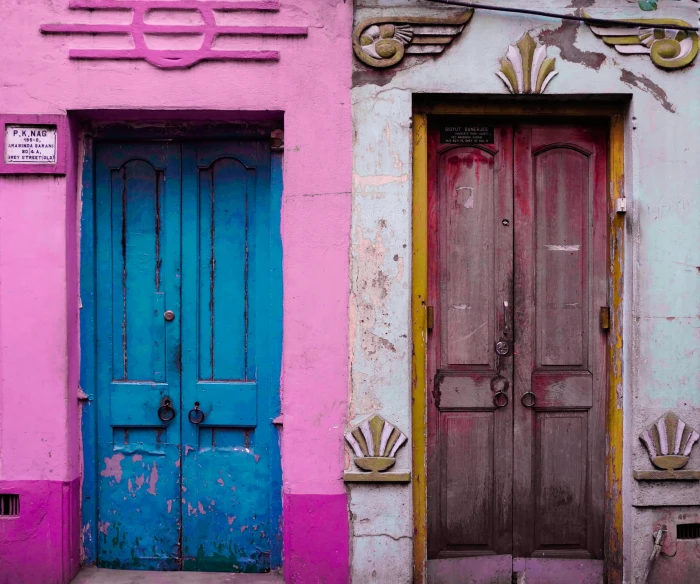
(383,41)
(668,48)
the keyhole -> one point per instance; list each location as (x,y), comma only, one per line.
(505,222)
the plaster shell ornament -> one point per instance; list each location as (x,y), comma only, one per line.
(383,41)
(669,442)
(375,443)
(526,67)
(668,48)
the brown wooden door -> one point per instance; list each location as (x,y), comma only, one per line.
(517,255)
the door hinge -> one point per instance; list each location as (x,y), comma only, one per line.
(429,317)
(605,318)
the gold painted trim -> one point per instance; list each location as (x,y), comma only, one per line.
(616,241)
(420,337)
(376,477)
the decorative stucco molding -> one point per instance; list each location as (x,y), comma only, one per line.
(669,441)
(374,445)
(668,48)
(138,29)
(526,68)
(383,41)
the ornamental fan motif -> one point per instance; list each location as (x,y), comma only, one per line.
(526,68)
(375,443)
(669,442)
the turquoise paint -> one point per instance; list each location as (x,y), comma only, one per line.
(224,345)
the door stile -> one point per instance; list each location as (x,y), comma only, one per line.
(524,278)
(461,409)
(137,256)
(561,280)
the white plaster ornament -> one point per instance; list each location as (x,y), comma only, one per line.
(526,67)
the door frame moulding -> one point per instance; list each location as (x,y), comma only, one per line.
(545,110)
(173,125)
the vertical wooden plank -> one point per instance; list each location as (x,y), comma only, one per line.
(524,315)
(613,486)
(418,304)
(229,244)
(87,351)
(206,261)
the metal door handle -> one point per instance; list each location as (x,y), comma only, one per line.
(499,386)
(506,318)
(196,416)
(169,315)
(166,412)
(529,399)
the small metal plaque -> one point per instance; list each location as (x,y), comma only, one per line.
(463,134)
(30,144)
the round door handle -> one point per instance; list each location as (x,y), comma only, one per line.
(529,399)
(166,412)
(500,399)
(196,416)
(169,315)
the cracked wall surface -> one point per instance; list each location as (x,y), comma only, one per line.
(661,264)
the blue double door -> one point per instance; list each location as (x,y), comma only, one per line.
(187,354)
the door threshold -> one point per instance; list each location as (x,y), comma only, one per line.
(93,575)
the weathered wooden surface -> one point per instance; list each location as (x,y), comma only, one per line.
(185,227)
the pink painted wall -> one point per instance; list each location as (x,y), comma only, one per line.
(39,423)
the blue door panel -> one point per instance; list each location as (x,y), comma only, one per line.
(190,228)
(225,467)
(138,455)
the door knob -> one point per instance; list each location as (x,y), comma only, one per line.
(169,315)
(502,348)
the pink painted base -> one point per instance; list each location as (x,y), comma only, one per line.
(316,540)
(550,571)
(41,544)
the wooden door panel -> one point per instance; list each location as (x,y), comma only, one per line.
(560,480)
(562,189)
(467,255)
(470,241)
(137,259)
(467,504)
(226,469)
(560,282)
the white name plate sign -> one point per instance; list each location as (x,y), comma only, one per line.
(33,143)
(30,144)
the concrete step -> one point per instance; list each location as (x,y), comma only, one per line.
(94,575)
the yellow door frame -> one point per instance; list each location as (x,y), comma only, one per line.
(615,113)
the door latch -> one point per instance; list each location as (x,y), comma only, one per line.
(429,317)
(605,318)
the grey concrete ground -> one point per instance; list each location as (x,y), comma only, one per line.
(103,576)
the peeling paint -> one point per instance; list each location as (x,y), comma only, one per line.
(113,467)
(645,84)
(565,38)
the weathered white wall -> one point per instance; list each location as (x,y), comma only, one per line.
(662,262)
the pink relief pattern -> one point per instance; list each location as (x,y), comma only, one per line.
(180,58)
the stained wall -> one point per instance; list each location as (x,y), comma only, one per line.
(661,264)
(40,451)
